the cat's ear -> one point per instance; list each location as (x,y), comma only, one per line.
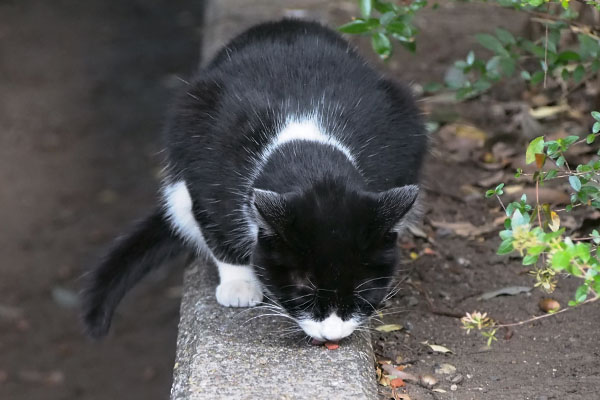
(272,212)
(395,205)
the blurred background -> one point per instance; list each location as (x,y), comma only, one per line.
(84,89)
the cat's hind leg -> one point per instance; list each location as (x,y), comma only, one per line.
(239,286)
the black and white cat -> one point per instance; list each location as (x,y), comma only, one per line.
(292,165)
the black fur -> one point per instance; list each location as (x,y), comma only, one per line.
(149,244)
(325,224)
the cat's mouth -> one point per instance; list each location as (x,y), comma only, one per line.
(330,329)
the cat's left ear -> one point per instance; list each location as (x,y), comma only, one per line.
(271,210)
(396,205)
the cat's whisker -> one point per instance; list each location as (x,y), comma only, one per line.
(270,315)
(374,279)
(366,301)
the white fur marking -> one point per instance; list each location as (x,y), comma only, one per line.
(178,205)
(304,128)
(331,328)
(239,286)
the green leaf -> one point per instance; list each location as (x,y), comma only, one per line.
(596,236)
(365,7)
(579,73)
(508,66)
(530,259)
(455,78)
(381,44)
(492,43)
(505,247)
(536,250)
(535,147)
(431,87)
(505,36)
(537,77)
(596,127)
(561,260)
(591,137)
(387,17)
(498,190)
(519,219)
(400,28)
(596,115)
(384,7)
(551,174)
(581,293)
(568,55)
(575,183)
(525,75)
(357,26)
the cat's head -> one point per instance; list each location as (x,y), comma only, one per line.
(328,255)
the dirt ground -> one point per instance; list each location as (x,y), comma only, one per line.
(84,87)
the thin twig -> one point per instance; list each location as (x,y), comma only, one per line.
(593,299)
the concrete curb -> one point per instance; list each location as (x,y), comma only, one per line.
(235,353)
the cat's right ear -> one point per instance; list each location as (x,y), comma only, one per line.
(271,211)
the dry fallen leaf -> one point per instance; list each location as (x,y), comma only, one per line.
(554,225)
(399,374)
(397,382)
(548,111)
(505,291)
(389,328)
(438,348)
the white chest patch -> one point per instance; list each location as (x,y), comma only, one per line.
(331,328)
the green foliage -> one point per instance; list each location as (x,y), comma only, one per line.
(510,55)
(393,21)
(534,231)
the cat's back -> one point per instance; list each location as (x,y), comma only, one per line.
(293,69)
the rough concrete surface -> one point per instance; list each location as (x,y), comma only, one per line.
(236,353)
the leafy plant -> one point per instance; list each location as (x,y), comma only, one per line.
(535,61)
(531,229)
(535,232)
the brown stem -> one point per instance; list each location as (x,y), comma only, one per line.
(593,299)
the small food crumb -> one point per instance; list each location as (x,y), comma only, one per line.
(331,345)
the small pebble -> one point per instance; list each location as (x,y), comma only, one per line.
(458,378)
(428,381)
(444,369)
(453,387)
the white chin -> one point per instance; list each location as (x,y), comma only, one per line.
(332,328)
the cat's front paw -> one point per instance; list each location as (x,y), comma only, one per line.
(239,293)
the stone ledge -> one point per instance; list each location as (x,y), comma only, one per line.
(236,353)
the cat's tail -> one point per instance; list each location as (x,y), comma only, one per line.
(149,244)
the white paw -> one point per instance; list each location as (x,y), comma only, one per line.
(239,293)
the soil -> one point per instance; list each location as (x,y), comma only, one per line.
(84,90)
(550,358)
